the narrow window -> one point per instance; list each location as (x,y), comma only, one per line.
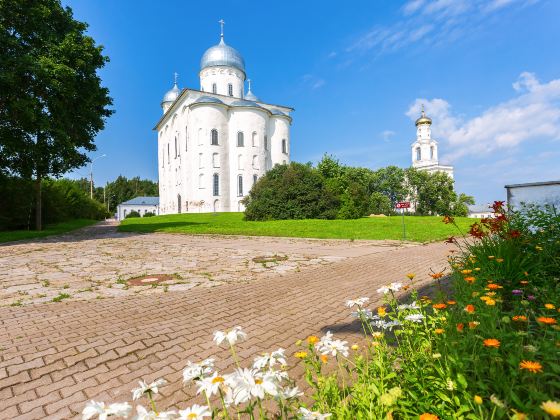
(163,157)
(214,137)
(200,161)
(168,154)
(432,152)
(255,162)
(418,154)
(214,88)
(201,181)
(230,89)
(186,138)
(216,184)
(215,160)
(240,162)
(175,147)
(254,139)
(255,178)
(265,143)
(240,139)
(284,146)
(240,185)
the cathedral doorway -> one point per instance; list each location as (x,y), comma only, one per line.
(216,205)
(178,203)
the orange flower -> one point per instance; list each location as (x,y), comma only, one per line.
(473,324)
(324,358)
(491,342)
(549,306)
(381,311)
(546,320)
(448,219)
(439,306)
(451,302)
(519,318)
(470,279)
(428,416)
(439,331)
(436,276)
(312,339)
(494,286)
(466,271)
(524,282)
(460,326)
(469,309)
(533,367)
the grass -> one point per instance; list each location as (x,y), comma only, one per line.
(54,229)
(418,228)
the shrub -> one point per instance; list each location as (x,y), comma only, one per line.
(149,214)
(132,214)
(380,204)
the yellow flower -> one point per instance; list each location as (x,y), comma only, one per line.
(491,294)
(538,248)
(490,302)
(439,331)
(300,354)
(466,271)
(411,276)
(377,334)
(355,347)
(491,257)
(549,306)
(518,415)
(375,343)
(312,339)
(477,269)
(484,298)
(477,399)
(499,260)
(324,358)
(552,408)
(381,311)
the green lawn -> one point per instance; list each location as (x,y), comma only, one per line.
(418,228)
(55,229)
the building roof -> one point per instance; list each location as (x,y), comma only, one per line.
(222,55)
(480,208)
(533,184)
(139,201)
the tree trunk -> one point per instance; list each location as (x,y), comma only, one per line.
(38,202)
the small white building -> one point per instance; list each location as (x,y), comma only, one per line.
(142,205)
(425,148)
(216,141)
(539,193)
(481,211)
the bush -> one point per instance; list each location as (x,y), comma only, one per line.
(380,204)
(132,214)
(149,214)
(293,191)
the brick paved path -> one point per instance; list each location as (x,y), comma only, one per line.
(56,357)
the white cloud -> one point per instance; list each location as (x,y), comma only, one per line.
(387,134)
(532,116)
(311,81)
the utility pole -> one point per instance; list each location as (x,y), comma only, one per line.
(91,175)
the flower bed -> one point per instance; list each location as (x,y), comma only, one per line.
(486,349)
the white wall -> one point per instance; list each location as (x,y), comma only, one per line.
(123,210)
(548,193)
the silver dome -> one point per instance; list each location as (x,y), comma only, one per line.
(245,103)
(171,94)
(250,96)
(208,100)
(222,55)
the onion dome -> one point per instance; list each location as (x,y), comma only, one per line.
(171,94)
(250,95)
(222,55)
(208,100)
(423,118)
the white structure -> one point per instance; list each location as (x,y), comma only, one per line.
(142,205)
(539,193)
(425,149)
(214,143)
(481,212)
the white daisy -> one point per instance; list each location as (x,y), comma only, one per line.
(306,414)
(395,287)
(383,290)
(195,412)
(405,307)
(334,347)
(198,370)
(210,384)
(362,313)
(143,414)
(414,317)
(289,393)
(232,336)
(94,408)
(144,388)
(268,360)
(357,302)
(246,385)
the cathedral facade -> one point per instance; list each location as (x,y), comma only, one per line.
(425,148)
(215,142)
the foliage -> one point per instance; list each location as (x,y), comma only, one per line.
(63,201)
(293,191)
(52,103)
(149,214)
(356,192)
(418,228)
(53,229)
(123,189)
(132,214)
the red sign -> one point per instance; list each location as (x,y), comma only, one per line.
(403,205)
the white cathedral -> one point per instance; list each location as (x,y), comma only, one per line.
(216,141)
(425,148)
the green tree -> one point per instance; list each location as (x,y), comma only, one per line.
(391,182)
(52,103)
(461,205)
(380,204)
(123,189)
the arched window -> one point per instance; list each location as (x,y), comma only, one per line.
(216,184)
(214,88)
(254,142)
(255,163)
(240,139)
(176,147)
(240,185)
(214,137)
(418,154)
(178,204)
(215,160)
(168,154)
(255,178)
(200,161)
(284,150)
(265,142)
(230,89)
(201,181)
(216,205)
(432,152)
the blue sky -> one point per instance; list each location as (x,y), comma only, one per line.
(356,73)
